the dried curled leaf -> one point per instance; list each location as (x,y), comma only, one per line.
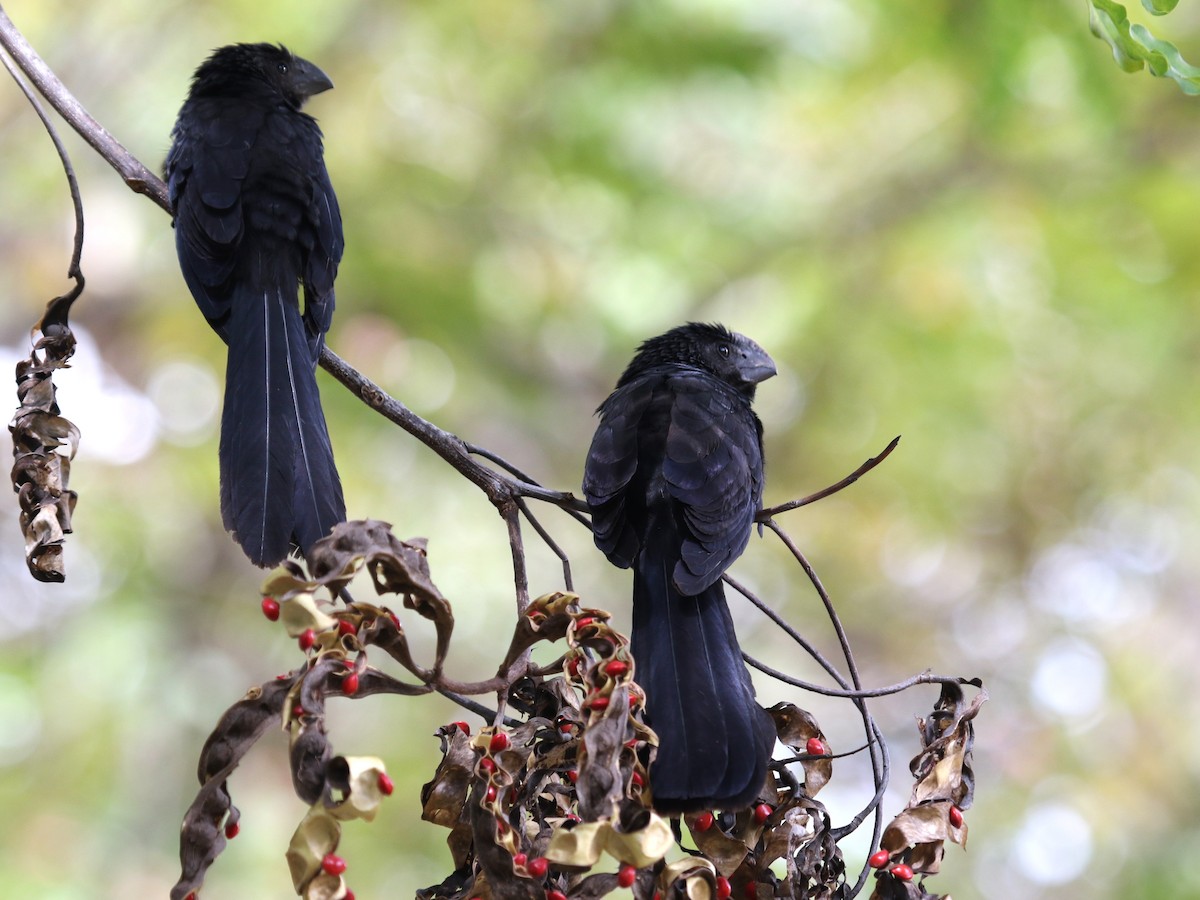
(395,566)
(44,443)
(944,787)
(202,836)
(636,836)
(796,727)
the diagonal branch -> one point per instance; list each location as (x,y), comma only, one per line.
(139,178)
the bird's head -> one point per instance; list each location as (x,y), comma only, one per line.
(731,357)
(239,70)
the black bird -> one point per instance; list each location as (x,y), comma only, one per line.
(255,219)
(674,478)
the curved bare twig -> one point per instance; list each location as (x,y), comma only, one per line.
(768,512)
(139,178)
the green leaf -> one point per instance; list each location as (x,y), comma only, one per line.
(1133,46)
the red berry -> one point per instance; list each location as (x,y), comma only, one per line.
(555,895)
(583,622)
(297,711)
(616,668)
(386,785)
(519,859)
(333,865)
(488,764)
(349,895)
(638,780)
(463,727)
(903,872)
(231,830)
(572,776)
(307,638)
(498,742)
(751,890)
(815,747)
(350,684)
(762,812)
(723,888)
(956,817)
(573,666)
(626,875)
(270,608)
(879,859)
(598,703)
(345,626)
(491,793)
(538,866)
(704,821)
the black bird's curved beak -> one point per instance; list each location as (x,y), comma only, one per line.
(308,79)
(754,365)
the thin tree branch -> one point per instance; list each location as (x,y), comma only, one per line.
(498,487)
(63,302)
(791,632)
(926,677)
(765,514)
(512,519)
(139,178)
(549,541)
(575,507)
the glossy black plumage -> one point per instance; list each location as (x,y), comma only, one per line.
(256,219)
(674,478)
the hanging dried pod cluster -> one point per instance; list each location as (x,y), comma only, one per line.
(560,805)
(914,842)
(334,640)
(551,798)
(44,443)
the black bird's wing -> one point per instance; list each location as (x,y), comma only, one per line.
(323,257)
(713,468)
(612,463)
(206,167)
(690,438)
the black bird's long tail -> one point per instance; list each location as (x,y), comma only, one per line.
(714,739)
(279,485)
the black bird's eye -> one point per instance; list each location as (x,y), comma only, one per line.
(724,350)
(282,67)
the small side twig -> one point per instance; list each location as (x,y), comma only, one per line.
(765,514)
(926,677)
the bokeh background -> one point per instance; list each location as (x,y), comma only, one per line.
(956,221)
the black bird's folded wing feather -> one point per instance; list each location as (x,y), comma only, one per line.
(612,464)
(713,467)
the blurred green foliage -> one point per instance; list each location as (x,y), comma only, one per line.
(952,220)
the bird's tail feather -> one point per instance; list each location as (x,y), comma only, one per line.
(279,484)
(714,739)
